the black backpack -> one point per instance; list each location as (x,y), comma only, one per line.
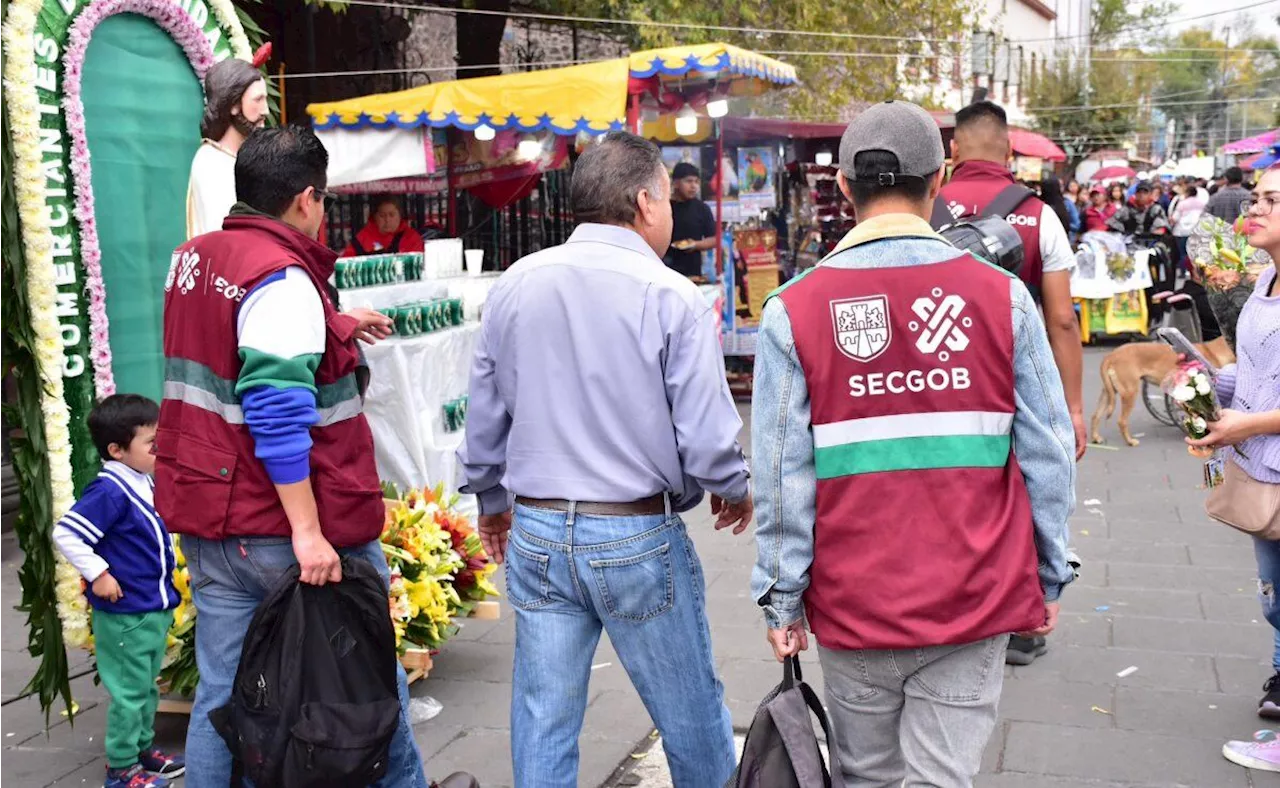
(781,750)
(314,703)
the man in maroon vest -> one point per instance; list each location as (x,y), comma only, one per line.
(264,457)
(914,466)
(981,151)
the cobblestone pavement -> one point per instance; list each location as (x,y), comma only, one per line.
(1162,590)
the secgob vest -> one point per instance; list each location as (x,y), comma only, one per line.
(209,482)
(924,534)
(973,185)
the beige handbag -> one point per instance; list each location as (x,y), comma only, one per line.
(1243,502)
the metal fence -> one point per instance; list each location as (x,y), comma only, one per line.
(506,234)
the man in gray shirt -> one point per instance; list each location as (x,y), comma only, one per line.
(598,399)
(1225,203)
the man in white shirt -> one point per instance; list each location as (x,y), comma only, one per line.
(981,151)
(235,105)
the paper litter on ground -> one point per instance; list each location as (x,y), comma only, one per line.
(1129,671)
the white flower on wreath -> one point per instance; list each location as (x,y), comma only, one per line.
(1183,394)
(1202,386)
(1199,424)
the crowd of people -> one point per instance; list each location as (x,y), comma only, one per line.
(892,383)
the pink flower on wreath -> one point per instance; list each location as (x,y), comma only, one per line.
(199,53)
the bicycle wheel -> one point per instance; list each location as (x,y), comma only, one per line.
(1158,404)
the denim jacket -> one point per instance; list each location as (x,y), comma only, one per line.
(782,436)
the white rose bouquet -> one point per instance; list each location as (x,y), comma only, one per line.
(1191,386)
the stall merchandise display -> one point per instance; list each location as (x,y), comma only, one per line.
(377,269)
(455,414)
(1108,282)
(424,317)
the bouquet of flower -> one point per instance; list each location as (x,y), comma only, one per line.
(439,570)
(1229,267)
(1191,386)
(179,673)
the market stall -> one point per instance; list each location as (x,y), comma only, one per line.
(1109,284)
(526,123)
(778,206)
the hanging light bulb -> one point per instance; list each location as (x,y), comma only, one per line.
(529,148)
(822,158)
(718,108)
(686,122)
(484,132)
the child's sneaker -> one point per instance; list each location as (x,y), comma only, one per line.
(162,763)
(1262,754)
(133,777)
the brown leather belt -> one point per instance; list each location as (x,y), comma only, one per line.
(653,505)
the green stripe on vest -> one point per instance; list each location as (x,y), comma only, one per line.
(912,454)
(195,375)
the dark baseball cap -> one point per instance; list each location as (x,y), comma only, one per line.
(683,170)
(899,128)
(1143,186)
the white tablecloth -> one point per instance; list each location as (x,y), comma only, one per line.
(411,380)
(473,290)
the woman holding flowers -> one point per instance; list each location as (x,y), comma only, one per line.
(1250,420)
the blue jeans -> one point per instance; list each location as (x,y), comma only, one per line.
(229,578)
(1268,553)
(639,578)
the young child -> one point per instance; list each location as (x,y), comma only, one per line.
(118,542)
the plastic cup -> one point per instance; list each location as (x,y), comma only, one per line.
(475,261)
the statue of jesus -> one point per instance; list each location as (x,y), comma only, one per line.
(235,104)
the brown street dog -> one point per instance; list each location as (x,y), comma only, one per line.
(1124,369)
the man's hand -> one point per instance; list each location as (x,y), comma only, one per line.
(1232,428)
(494,531)
(374,325)
(731,513)
(1050,621)
(1082,437)
(789,641)
(106,587)
(317,558)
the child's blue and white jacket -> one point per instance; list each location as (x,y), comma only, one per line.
(114,526)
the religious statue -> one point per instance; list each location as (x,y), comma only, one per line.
(235,104)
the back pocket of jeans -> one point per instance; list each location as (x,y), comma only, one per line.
(527,584)
(636,588)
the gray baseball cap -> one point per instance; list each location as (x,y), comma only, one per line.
(897,127)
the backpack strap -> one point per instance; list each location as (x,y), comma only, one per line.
(394,246)
(941,216)
(357,247)
(1008,200)
(1005,203)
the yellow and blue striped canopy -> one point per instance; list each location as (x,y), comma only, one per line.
(591,97)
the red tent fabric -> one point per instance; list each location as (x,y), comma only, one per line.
(1029,143)
(1106,173)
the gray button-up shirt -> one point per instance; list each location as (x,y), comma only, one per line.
(598,376)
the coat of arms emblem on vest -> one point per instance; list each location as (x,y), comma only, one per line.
(862,326)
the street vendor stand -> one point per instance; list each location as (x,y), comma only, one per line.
(386,142)
(761,170)
(1108,284)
